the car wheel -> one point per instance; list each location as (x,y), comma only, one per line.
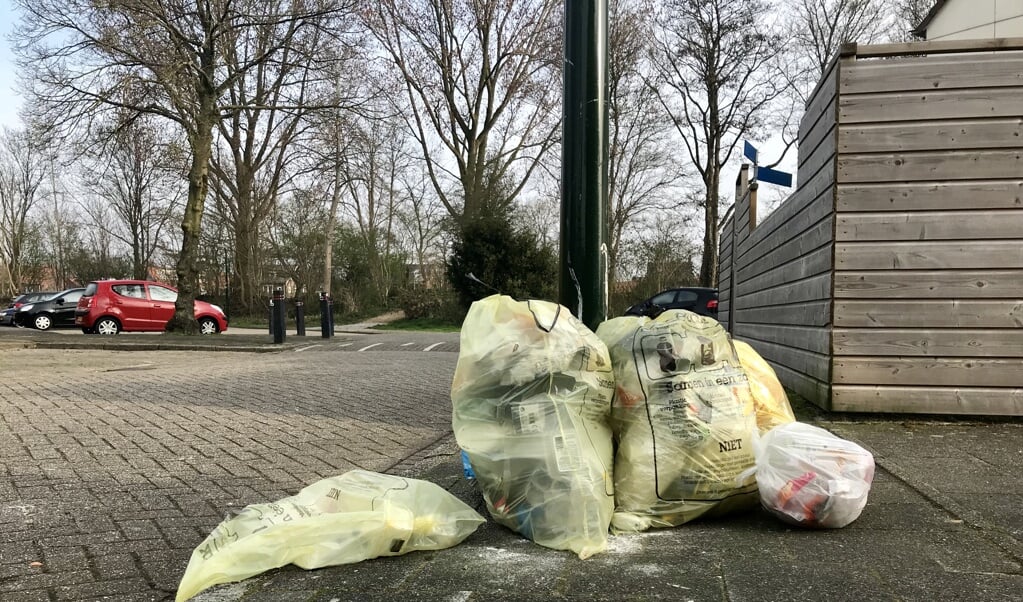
(107,326)
(208,326)
(42,322)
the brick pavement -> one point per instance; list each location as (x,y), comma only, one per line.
(115,465)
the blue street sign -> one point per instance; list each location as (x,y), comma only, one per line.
(771,176)
(749,152)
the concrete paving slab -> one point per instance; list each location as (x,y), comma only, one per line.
(116,464)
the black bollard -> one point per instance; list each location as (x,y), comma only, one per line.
(278,321)
(300,318)
(324,316)
(330,313)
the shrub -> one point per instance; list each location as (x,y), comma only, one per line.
(512,262)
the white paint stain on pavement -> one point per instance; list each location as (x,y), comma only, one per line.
(407,344)
(434,346)
(371,346)
(305,348)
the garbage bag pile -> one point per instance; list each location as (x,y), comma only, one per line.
(810,477)
(340,520)
(683,416)
(531,400)
(531,411)
(645,423)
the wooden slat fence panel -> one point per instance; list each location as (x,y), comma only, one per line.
(923,136)
(941,371)
(928,166)
(931,196)
(933,73)
(928,255)
(921,313)
(929,225)
(929,106)
(930,284)
(782,267)
(951,400)
(928,309)
(932,342)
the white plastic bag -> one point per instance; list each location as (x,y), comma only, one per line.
(811,477)
(531,398)
(683,416)
(340,520)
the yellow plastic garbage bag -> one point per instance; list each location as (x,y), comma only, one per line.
(340,520)
(531,398)
(772,404)
(683,416)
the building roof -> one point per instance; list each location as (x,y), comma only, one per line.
(921,29)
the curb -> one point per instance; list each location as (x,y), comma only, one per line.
(269,348)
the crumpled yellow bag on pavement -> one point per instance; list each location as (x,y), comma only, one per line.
(530,399)
(339,520)
(772,404)
(683,416)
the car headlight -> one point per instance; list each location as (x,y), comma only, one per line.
(26,307)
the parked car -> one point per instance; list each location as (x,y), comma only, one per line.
(7,315)
(703,301)
(57,311)
(113,306)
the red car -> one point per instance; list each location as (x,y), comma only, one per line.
(113,306)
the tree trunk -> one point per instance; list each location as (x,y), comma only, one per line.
(247,262)
(328,244)
(198,183)
(709,265)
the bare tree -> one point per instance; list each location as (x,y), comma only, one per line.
(296,232)
(132,172)
(643,168)
(376,164)
(23,169)
(328,145)
(60,226)
(714,60)
(482,77)
(158,57)
(421,223)
(820,27)
(255,151)
(909,14)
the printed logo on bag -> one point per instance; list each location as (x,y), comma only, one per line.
(706,351)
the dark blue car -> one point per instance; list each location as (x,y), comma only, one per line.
(703,301)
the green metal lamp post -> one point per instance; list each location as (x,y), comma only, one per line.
(584,237)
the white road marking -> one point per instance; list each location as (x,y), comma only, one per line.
(407,344)
(345,345)
(304,348)
(435,345)
(370,346)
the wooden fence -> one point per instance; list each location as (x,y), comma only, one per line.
(892,279)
